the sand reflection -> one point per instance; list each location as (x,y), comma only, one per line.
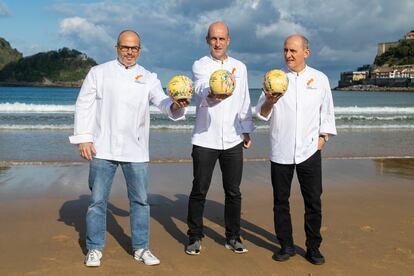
(397,167)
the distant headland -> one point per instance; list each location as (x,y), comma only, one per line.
(393,69)
(62,68)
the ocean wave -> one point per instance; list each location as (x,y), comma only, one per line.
(374,118)
(35,127)
(374,110)
(52,108)
(35,108)
(190,127)
(406,126)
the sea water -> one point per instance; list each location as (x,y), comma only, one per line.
(35,122)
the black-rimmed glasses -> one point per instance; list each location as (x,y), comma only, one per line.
(124,48)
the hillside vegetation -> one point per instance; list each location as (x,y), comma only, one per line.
(403,54)
(61,66)
(7,53)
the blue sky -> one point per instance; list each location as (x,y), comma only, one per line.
(343,34)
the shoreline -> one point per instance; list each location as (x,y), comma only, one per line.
(373,88)
(10,163)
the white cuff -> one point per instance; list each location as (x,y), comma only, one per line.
(81,138)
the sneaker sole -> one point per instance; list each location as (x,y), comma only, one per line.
(313,262)
(193,253)
(228,246)
(283,259)
(149,264)
(93,264)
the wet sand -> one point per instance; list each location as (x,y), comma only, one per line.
(173,145)
(368,222)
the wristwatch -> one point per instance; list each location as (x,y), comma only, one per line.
(324,137)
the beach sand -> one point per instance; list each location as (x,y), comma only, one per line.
(368,222)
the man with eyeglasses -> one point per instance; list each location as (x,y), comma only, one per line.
(111,129)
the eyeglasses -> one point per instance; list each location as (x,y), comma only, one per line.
(126,49)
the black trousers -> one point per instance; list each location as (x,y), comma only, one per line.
(309,175)
(231,165)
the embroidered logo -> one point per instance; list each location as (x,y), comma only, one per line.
(309,84)
(137,77)
(233,71)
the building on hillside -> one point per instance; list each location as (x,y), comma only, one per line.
(394,72)
(395,76)
(352,78)
(409,35)
(385,46)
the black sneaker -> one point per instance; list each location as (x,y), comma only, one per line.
(236,245)
(285,253)
(314,256)
(193,247)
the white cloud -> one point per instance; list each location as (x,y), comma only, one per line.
(343,35)
(89,37)
(84,30)
(282,28)
(4,11)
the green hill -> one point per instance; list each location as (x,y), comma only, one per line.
(65,67)
(7,53)
(403,54)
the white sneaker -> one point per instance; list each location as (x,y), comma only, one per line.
(144,255)
(93,258)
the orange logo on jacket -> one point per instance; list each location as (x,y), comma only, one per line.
(138,77)
(309,82)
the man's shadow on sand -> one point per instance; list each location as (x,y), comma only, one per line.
(166,211)
(73,213)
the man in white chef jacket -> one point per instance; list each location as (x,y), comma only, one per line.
(223,126)
(301,122)
(112,128)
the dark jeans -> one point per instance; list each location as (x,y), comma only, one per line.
(231,165)
(309,175)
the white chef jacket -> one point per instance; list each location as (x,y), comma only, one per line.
(305,111)
(112,111)
(221,124)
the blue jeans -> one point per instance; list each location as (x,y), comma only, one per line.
(101,174)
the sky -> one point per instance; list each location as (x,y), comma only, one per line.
(343,35)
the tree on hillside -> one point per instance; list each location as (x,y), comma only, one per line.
(403,54)
(64,65)
(7,53)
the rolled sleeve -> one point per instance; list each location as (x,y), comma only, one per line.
(82,138)
(258,108)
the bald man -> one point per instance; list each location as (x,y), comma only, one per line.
(301,122)
(222,129)
(111,129)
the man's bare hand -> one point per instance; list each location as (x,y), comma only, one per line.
(321,143)
(87,150)
(247,142)
(218,97)
(178,104)
(273,98)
